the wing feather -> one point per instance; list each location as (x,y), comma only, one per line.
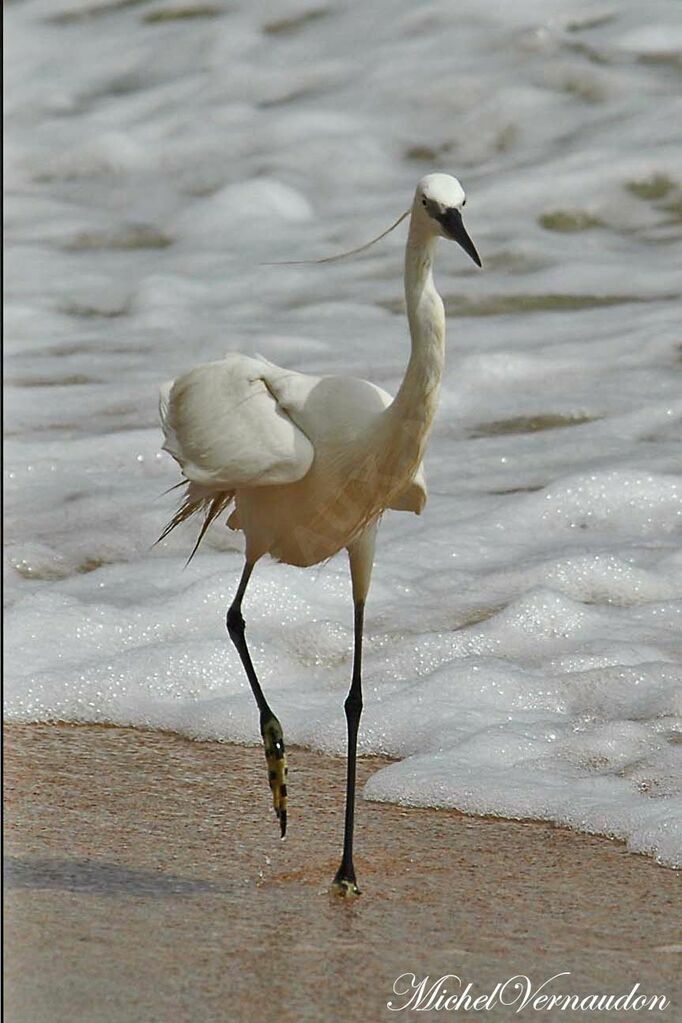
(224,426)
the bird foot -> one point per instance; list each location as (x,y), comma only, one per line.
(275,755)
(345,887)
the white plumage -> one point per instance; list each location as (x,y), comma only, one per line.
(226,425)
(241,426)
(310,463)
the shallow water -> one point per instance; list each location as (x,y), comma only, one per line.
(523,652)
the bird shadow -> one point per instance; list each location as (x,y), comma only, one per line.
(89,877)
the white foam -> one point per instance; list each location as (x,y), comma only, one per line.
(237,206)
(522,651)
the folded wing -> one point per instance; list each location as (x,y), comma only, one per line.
(225,428)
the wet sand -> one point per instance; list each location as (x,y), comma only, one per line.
(145,881)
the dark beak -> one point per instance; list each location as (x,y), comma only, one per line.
(451,221)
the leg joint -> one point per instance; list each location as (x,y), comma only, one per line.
(235,622)
(353,704)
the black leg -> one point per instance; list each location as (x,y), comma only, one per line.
(270,728)
(345,882)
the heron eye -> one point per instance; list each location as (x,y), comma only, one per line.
(464,202)
(423,202)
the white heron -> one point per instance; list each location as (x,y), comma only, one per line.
(308,464)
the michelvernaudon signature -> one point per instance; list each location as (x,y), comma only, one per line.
(450,993)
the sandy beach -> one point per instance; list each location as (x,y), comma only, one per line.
(145,882)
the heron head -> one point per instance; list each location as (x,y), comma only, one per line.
(440,198)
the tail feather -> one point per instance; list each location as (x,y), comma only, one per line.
(196,500)
(176,486)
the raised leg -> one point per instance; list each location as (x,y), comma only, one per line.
(270,728)
(361,555)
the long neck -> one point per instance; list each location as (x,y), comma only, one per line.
(415,404)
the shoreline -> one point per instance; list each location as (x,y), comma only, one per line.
(145,880)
